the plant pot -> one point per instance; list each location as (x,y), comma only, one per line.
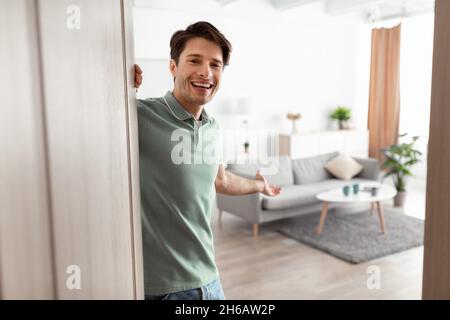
(399,199)
(343,125)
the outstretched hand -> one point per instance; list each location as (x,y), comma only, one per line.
(137,76)
(269,189)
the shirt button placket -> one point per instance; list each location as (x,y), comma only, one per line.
(197,126)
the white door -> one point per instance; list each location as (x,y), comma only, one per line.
(74,158)
(26,270)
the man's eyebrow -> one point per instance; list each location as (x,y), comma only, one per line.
(200,56)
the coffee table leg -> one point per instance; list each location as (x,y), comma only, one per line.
(372,204)
(381,216)
(323,215)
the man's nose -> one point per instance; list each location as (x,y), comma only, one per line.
(205,71)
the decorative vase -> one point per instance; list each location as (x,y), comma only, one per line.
(399,199)
(246,146)
(294,117)
(294,127)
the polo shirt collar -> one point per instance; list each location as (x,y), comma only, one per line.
(181,112)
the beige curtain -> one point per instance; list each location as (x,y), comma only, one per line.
(384,94)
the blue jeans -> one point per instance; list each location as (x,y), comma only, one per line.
(210,291)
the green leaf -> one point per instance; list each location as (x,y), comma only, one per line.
(399,158)
(341,113)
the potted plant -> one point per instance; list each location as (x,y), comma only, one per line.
(399,158)
(342,114)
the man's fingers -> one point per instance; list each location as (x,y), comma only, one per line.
(137,76)
(275,189)
(137,69)
(137,81)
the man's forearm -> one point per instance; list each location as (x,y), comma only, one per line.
(232,184)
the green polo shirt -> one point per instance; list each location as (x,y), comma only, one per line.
(178,165)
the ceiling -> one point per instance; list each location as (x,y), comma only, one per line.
(372,10)
(366,11)
(379,10)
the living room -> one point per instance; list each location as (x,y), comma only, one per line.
(316,96)
(293,63)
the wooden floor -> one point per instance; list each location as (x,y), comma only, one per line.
(273,266)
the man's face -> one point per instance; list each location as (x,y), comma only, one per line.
(198,73)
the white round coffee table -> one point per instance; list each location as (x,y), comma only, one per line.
(385,192)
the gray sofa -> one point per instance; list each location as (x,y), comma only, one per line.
(301,180)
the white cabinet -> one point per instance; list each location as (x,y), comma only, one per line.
(352,142)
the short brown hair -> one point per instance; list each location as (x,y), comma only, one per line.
(203,30)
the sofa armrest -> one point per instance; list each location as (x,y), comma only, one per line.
(371,168)
(247,207)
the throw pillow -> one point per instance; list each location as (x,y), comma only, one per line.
(343,167)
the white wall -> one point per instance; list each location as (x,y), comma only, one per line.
(280,64)
(416,70)
(299,60)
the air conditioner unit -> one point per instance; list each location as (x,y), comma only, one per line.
(380,9)
(287,4)
(335,7)
(225,2)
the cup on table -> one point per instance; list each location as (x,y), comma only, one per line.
(356,188)
(374,191)
(346,190)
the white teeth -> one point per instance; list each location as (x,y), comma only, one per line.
(203,85)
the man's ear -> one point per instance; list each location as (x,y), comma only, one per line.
(173,68)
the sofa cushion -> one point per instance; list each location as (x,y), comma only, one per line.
(290,197)
(371,168)
(343,167)
(282,177)
(311,169)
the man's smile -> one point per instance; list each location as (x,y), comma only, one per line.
(199,84)
(202,86)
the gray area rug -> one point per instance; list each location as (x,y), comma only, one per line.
(356,237)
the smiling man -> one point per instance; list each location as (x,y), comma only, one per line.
(178,197)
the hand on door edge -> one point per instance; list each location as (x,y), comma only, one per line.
(137,76)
